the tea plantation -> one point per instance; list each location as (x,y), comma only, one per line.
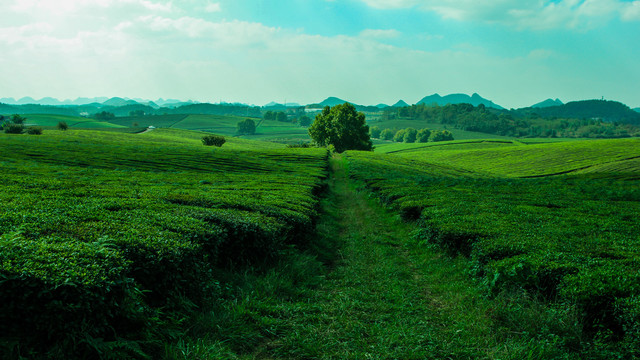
(104,235)
(571,240)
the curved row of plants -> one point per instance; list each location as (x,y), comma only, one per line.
(104,242)
(571,240)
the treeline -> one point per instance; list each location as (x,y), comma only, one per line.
(515,123)
(411,135)
(294,116)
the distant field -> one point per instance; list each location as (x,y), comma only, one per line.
(72,121)
(515,160)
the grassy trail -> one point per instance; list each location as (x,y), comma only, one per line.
(384,298)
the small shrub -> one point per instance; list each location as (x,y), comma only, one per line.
(213,140)
(13,128)
(34,130)
(62,126)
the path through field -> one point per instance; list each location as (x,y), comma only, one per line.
(385,298)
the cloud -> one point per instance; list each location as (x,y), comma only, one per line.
(213,8)
(523,14)
(380,34)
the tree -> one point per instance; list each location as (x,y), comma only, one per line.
(213,140)
(410,135)
(375,132)
(399,136)
(387,134)
(343,127)
(444,135)
(281,116)
(304,121)
(17,119)
(247,127)
(62,126)
(423,135)
(104,116)
(269,115)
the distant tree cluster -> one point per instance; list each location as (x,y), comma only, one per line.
(104,116)
(515,123)
(411,135)
(294,116)
(13,125)
(246,127)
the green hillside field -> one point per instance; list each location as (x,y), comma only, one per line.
(108,239)
(570,239)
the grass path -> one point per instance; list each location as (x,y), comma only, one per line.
(384,298)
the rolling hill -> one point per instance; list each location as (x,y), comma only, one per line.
(474,100)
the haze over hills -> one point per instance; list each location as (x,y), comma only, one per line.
(548,103)
(474,100)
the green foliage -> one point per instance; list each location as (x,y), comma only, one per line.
(62,126)
(213,140)
(566,239)
(571,120)
(281,116)
(387,134)
(105,239)
(18,119)
(246,127)
(304,120)
(104,116)
(34,130)
(342,127)
(399,135)
(12,128)
(443,135)
(375,132)
(410,135)
(423,135)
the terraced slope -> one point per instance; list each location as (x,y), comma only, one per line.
(101,233)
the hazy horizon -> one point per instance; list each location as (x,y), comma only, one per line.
(514,53)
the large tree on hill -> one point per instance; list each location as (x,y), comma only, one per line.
(343,127)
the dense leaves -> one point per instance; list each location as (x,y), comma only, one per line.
(342,127)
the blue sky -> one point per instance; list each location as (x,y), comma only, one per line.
(514,52)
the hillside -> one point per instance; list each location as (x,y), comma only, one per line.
(610,111)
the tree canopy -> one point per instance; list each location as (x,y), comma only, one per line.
(343,127)
(246,127)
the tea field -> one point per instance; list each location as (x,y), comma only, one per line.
(556,221)
(103,236)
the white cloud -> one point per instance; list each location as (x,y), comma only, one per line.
(380,34)
(523,14)
(213,8)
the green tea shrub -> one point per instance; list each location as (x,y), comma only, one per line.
(213,140)
(34,130)
(13,128)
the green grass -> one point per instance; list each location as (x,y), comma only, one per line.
(538,159)
(72,121)
(108,237)
(570,240)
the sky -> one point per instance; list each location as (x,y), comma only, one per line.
(513,52)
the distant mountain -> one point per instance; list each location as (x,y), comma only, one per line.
(636,109)
(611,111)
(548,103)
(382,106)
(400,103)
(116,101)
(474,100)
(332,101)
